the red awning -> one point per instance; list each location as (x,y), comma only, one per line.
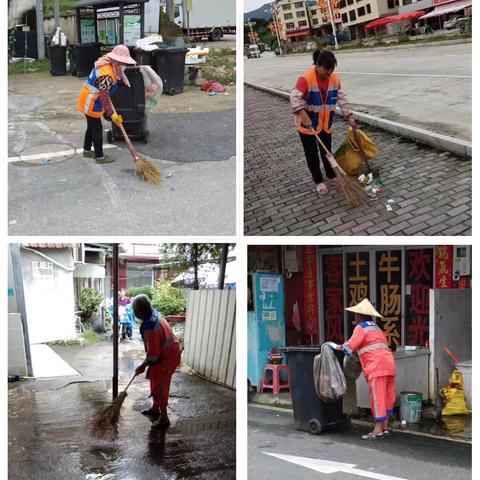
(395,18)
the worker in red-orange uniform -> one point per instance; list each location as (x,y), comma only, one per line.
(163,357)
(94,99)
(378,364)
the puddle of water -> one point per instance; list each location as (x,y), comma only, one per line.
(204,424)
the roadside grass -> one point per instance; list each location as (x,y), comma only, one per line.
(65,6)
(220,66)
(28,67)
(92,337)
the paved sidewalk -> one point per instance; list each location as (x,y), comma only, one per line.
(431,189)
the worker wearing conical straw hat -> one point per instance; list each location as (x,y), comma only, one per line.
(94,99)
(314,99)
(377,361)
(163,357)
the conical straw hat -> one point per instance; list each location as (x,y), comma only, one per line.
(365,308)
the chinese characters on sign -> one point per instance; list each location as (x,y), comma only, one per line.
(310,294)
(389,293)
(333,297)
(358,283)
(42,270)
(419,265)
(444,266)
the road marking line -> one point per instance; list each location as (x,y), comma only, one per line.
(108,184)
(380,73)
(62,153)
(326,466)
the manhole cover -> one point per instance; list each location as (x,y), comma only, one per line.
(45,154)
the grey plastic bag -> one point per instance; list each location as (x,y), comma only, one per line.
(352,367)
(330,383)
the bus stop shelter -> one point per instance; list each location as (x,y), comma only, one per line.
(124,21)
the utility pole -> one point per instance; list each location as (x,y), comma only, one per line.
(40,30)
(332,21)
(223,266)
(115,264)
(277,25)
(56,9)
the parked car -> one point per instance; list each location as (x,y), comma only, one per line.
(330,39)
(451,22)
(464,24)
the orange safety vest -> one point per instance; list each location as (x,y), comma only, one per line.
(100,78)
(371,343)
(321,113)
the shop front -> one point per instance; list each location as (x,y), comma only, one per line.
(408,285)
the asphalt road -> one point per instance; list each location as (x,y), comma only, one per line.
(427,87)
(402,456)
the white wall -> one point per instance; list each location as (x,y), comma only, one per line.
(17,363)
(49,302)
(16,9)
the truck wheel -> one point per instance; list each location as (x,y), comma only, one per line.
(216,34)
(314,426)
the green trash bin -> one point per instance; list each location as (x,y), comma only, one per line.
(410,407)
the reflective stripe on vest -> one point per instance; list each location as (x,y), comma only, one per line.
(375,346)
(371,327)
(321,112)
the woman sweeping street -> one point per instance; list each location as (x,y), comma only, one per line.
(313,100)
(163,357)
(378,364)
(94,99)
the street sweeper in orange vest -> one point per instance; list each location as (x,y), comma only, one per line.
(378,364)
(162,359)
(94,99)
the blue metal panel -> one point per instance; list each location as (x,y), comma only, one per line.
(266,325)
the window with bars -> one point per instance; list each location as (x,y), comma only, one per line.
(298,4)
(288,16)
(344,18)
(290,26)
(301,14)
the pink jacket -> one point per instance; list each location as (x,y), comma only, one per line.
(371,344)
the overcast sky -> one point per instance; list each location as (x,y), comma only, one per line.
(254,4)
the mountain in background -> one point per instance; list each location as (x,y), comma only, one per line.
(265,15)
(259,13)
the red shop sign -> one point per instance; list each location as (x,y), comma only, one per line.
(310,295)
(444,266)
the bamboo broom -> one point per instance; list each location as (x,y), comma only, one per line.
(105,422)
(146,169)
(349,187)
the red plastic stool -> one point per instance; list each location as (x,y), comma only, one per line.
(276,386)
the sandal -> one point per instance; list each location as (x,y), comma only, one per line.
(333,181)
(322,189)
(372,436)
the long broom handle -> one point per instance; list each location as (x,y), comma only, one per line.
(321,143)
(332,161)
(451,355)
(130,382)
(125,136)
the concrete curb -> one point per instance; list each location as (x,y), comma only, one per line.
(420,135)
(369,424)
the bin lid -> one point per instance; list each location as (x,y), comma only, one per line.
(301,349)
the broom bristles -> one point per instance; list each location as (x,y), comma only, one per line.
(105,422)
(351,190)
(147,170)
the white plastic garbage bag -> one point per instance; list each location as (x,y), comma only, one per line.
(330,383)
(153,85)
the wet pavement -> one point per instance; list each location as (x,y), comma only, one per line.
(49,424)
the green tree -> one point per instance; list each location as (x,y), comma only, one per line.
(167,299)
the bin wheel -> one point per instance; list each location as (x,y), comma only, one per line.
(314,427)
(172,91)
(146,137)
(109,136)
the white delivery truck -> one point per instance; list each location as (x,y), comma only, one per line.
(207,19)
(199,19)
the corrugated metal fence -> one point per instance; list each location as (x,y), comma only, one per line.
(209,342)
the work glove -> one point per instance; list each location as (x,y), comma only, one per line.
(117,119)
(332,345)
(140,369)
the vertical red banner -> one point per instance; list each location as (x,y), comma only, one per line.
(444,266)
(310,295)
(333,298)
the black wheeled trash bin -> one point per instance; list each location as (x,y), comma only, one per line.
(310,413)
(129,102)
(170,67)
(84,57)
(58,60)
